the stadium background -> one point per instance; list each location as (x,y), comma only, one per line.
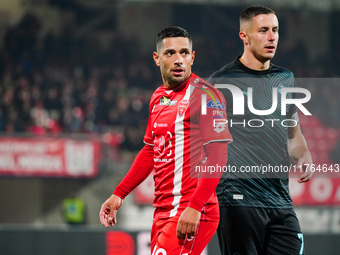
(75,80)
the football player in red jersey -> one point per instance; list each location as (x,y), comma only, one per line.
(186,131)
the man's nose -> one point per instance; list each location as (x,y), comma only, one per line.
(178,60)
(271,36)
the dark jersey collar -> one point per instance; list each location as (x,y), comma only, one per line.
(251,71)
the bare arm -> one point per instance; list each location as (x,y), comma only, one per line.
(298,150)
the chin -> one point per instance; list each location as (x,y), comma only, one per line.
(266,58)
(269,56)
(178,79)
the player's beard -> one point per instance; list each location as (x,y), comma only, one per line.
(174,81)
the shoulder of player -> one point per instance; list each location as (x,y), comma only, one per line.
(199,83)
(202,87)
(209,90)
(280,69)
(156,94)
(224,71)
(158,91)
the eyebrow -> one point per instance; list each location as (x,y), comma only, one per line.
(172,49)
(266,27)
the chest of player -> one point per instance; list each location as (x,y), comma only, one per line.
(169,115)
(256,98)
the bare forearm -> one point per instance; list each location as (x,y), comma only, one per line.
(297,145)
(297,148)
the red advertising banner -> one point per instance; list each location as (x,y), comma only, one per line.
(48,157)
(119,243)
(318,191)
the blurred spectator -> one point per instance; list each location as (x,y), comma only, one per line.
(40,119)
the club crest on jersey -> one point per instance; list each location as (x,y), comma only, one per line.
(215,104)
(182,106)
(167,102)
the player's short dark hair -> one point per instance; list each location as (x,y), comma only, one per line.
(254,10)
(172,31)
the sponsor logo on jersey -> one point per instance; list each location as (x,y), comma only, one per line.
(215,104)
(163,144)
(155,125)
(159,144)
(219,127)
(162,159)
(217,113)
(167,102)
(237,196)
(182,107)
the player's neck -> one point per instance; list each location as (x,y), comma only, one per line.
(250,61)
(170,86)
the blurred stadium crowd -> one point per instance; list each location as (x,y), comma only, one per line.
(66,84)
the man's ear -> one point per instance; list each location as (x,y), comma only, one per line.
(156,58)
(243,36)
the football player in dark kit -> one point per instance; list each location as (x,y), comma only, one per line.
(257,215)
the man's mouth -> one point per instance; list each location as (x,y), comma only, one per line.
(270,47)
(177,71)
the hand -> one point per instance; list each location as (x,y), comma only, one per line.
(187,223)
(108,211)
(301,164)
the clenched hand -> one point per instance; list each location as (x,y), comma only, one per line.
(187,223)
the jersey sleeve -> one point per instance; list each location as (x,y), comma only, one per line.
(217,154)
(139,171)
(214,124)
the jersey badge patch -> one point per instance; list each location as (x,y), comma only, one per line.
(182,107)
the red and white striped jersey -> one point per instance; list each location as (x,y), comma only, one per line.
(178,129)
